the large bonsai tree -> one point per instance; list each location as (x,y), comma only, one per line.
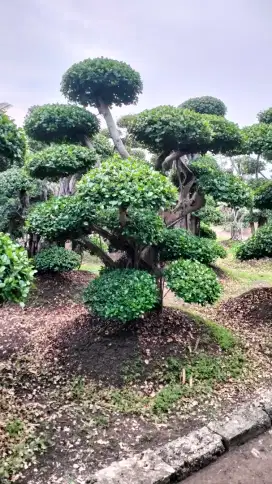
(12,143)
(102,83)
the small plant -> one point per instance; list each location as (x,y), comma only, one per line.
(206,231)
(129,401)
(167,397)
(78,388)
(14,427)
(102,421)
(133,370)
(122,294)
(258,246)
(57,259)
(16,271)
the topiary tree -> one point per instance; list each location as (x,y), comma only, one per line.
(258,141)
(60,123)
(16,271)
(12,143)
(102,83)
(124,202)
(205,105)
(182,136)
(265,116)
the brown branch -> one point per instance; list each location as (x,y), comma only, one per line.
(168,160)
(98,251)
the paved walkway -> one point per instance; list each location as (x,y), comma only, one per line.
(248,464)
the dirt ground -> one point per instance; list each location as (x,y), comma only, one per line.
(249,464)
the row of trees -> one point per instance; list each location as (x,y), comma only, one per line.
(71,181)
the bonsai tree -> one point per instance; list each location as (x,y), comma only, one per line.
(124,202)
(258,141)
(12,143)
(102,83)
(205,105)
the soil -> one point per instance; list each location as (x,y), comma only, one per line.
(52,346)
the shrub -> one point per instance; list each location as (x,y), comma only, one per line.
(258,246)
(178,243)
(56,259)
(122,294)
(12,143)
(16,271)
(192,281)
(205,105)
(206,231)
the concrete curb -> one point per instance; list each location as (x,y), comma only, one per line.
(179,458)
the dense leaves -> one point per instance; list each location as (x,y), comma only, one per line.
(179,243)
(192,281)
(58,161)
(123,294)
(102,146)
(56,259)
(60,218)
(265,116)
(226,135)
(57,123)
(124,183)
(12,143)
(258,246)
(210,213)
(92,80)
(167,128)
(222,186)
(263,196)
(206,231)
(205,105)
(16,271)
(258,139)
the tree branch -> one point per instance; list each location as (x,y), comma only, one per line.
(98,251)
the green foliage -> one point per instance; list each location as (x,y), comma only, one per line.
(206,231)
(221,335)
(58,161)
(210,214)
(257,246)
(265,116)
(124,183)
(137,153)
(263,196)
(60,218)
(16,271)
(122,294)
(167,128)
(226,136)
(126,120)
(97,240)
(167,397)
(179,243)
(56,259)
(112,81)
(58,123)
(258,139)
(12,143)
(192,281)
(102,146)
(222,186)
(205,105)
(13,180)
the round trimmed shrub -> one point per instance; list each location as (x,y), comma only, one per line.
(12,143)
(206,231)
(121,294)
(58,161)
(58,123)
(193,282)
(205,105)
(16,271)
(57,259)
(257,246)
(179,243)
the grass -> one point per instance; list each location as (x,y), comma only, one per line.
(90,263)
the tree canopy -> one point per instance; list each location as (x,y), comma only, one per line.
(12,143)
(265,116)
(205,105)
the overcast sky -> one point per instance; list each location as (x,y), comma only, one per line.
(182,48)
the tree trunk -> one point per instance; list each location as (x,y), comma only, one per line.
(195,225)
(104,110)
(252,227)
(257,167)
(236,231)
(65,187)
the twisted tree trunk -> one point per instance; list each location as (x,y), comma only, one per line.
(104,110)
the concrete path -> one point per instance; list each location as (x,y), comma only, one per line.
(248,464)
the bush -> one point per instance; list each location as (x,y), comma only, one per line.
(206,231)
(193,282)
(12,143)
(258,246)
(56,259)
(122,294)
(16,271)
(205,105)
(179,243)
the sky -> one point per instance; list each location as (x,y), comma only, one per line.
(182,49)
